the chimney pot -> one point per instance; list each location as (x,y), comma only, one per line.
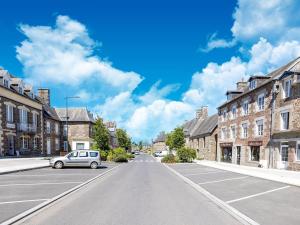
(202,113)
(44,94)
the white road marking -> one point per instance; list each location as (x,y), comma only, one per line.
(7,185)
(194,174)
(45,175)
(217,181)
(258,194)
(32,200)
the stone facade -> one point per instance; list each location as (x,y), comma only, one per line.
(250,127)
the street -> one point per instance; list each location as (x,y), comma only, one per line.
(140,192)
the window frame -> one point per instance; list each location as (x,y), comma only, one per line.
(287,92)
(297,150)
(282,120)
(252,158)
(244,134)
(245,112)
(259,124)
(9,113)
(260,107)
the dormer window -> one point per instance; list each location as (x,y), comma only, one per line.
(5,83)
(20,90)
(252,84)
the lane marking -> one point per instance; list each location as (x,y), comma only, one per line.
(50,174)
(217,181)
(21,201)
(226,207)
(258,194)
(194,174)
(8,185)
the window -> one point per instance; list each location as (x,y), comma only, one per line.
(23,116)
(260,127)
(252,84)
(24,141)
(9,113)
(261,102)
(5,83)
(224,115)
(298,151)
(287,89)
(83,154)
(284,153)
(65,146)
(79,146)
(73,154)
(233,132)
(56,128)
(34,119)
(254,154)
(203,142)
(48,127)
(245,130)
(65,130)
(93,154)
(20,90)
(245,108)
(223,133)
(285,120)
(233,112)
(56,144)
(35,143)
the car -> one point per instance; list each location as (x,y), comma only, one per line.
(78,158)
(136,152)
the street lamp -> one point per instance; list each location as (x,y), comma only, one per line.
(67,119)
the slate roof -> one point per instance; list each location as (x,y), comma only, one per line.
(276,74)
(75,114)
(160,138)
(50,112)
(188,126)
(205,127)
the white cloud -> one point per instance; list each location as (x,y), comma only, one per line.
(215,42)
(274,20)
(64,54)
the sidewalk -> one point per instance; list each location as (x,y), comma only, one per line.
(283,176)
(20,164)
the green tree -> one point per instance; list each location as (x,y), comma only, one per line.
(175,139)
(123,138)
(140,145)
(101,135)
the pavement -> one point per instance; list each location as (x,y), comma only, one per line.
(283,176)
(263,201)
(20,164)
(143,192)
(22,191)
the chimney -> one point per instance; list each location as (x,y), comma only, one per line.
(241,85)
(44,94)
(202,113)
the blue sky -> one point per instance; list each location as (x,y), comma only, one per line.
(148,65)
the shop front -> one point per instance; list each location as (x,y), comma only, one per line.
(226,152)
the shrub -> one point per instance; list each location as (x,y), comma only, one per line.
(186,154)
(110,156)
(121,158)
(103,155)
(130,156)
(169,159)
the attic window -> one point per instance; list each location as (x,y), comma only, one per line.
(5,83)
(20,90)
(252,84)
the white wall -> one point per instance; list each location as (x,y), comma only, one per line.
(86,144)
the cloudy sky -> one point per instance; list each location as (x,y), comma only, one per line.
(149,65)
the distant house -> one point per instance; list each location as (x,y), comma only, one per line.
(201,134)
(159,144)
(79,129)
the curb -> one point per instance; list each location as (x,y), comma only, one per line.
(226,207)
(294,182)
(24,169)
(35,209)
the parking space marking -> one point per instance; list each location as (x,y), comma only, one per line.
(258,194)
(27,184)
(217,181)
(45,175)
(31,200)
(195,174)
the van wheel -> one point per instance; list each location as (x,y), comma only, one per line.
(58,165)
(94,165)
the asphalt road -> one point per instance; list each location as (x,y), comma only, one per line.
(24,190)
(142,192)
(266,202)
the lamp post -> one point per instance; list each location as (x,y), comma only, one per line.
(67,119)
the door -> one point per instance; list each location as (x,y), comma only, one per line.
(284,154)
(11,145)
(48,146)
(72,159)
(238,155)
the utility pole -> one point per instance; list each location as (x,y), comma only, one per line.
(67,120)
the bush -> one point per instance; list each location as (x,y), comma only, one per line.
(130,156)
(169,159)
(121,158)
(186,154)
(103,155)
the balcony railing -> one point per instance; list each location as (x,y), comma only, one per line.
(26,127)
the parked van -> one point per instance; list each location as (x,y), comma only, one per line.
(80,158)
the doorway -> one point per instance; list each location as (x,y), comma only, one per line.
(238,155)
(284,155)
(11,145)
(48,146)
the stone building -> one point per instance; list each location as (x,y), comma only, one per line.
(20,118)
(201,134)
(249,121)
(52,133)
(159,144)
(80,127)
